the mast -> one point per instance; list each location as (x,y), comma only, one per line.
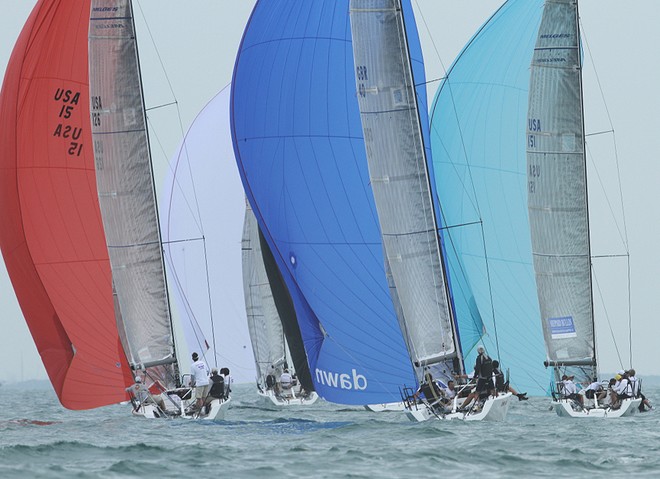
(586,191)
(557,193)
(126,190)
(400,178)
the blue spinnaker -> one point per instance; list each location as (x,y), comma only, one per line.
(478,140)
(298,143)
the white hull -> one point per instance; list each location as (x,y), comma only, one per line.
(564,408)
(385,407)
(494,409)
(272,400)
(214,411)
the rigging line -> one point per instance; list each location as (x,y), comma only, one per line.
(630,350)
(427,82)
(447,83)
(609,118)
(186,303)
(460,265)
(162,106)
(471,223)
(153,42)
(175,102)
(490,292)
(196,219)
(604,132)
(602,300)
(183,240)
(208,290)
(622,234)
(184,147)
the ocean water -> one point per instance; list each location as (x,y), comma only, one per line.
(39,438)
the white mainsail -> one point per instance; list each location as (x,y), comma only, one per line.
(557,190)
(264,323)
(126,187)
(400,179)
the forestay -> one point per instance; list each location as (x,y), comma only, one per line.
(126,187)
(557,189)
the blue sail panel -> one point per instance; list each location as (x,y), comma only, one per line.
(478,125)
(298,143)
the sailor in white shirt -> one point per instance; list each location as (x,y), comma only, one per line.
(286,381)
(570,389)
(449,391)
(200,379)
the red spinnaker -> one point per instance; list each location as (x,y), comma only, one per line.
(51,234)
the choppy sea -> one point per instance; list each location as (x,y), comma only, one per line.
(39,439)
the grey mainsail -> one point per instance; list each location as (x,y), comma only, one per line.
(264,323)
(400,179)
(557,191)
(126,189)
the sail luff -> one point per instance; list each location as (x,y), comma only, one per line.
(400,178)
(557,190)
(126,187)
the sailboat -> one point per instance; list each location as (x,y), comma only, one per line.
(269,342)
(478,144)
(53,240)
(303,162)
(558,207)
(299,150)
(395,136)
(127,198)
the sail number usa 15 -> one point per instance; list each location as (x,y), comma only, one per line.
(68,100)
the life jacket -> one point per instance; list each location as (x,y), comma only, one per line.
(430,391)
(628,389)
(484,366)
(499,379)
(634,385)
(218,387)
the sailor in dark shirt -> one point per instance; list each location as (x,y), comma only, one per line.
(217,385)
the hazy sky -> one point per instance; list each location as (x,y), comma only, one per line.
(197,42)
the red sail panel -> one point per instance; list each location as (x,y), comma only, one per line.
(51,233)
